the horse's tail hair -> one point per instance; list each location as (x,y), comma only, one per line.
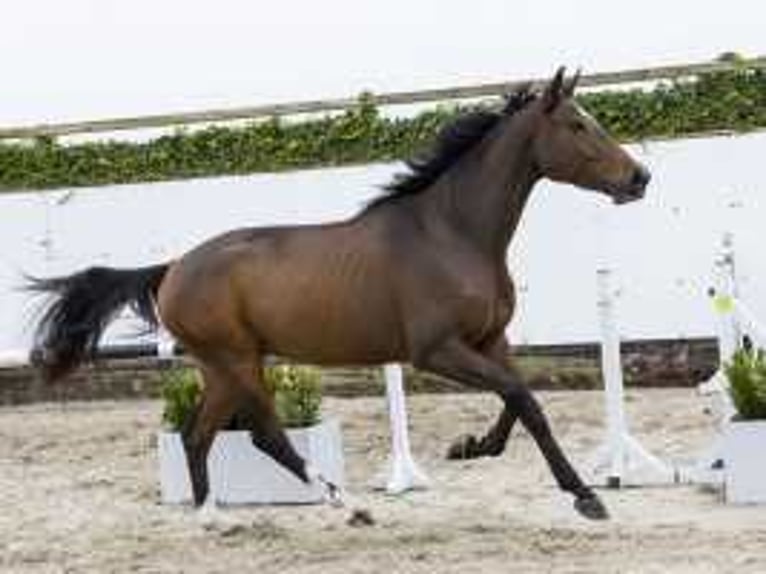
(81,307)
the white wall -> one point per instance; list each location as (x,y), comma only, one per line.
(662,248)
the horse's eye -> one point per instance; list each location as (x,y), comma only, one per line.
(578,126)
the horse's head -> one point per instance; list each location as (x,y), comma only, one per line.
(571,147)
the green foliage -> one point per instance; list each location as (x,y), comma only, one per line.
(734,100)
(180,391)
(297,395)
(747,382)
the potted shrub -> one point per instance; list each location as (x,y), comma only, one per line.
(239,473)
(745,435)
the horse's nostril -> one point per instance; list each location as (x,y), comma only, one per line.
(641,177)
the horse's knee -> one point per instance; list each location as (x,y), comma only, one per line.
(516,397)
(520,401)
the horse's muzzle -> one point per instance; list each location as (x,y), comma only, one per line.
(635,188)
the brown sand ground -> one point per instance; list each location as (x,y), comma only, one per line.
(78,494)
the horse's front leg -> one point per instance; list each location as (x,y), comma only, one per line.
(494,441)
(456,360)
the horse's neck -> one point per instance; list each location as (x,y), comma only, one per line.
(482,198)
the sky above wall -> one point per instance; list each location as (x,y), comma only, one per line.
(85,59)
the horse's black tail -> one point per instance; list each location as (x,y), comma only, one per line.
(83,304)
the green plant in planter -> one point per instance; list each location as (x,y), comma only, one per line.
(747,383)
(180,391)
(297,395)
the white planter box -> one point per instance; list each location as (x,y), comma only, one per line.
(744,448)
(239,473)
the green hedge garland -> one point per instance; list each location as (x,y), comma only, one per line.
(734,100)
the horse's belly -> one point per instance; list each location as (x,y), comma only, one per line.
(334,347)
(313,330)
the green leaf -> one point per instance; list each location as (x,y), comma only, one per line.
(297,395)
(746,373)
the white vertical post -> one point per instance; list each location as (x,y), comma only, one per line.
(404,474)
(724,297)
(611,369)
(708,468)
(620,459)
(729,332)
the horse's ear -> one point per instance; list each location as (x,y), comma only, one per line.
(569,87)
(552,93)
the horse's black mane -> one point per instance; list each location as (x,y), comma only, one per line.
(452,143)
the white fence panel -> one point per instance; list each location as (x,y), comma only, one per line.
(661,249)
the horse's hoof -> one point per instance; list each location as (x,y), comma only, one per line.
(361,517)
(464,448)
(591,507)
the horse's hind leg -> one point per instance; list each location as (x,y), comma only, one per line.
(494,441)
(217,405)
(266,431)
(268,434)
(235,381)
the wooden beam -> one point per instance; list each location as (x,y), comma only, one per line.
(334,105)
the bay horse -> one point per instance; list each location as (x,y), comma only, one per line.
(419,276)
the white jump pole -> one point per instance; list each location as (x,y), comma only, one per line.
(733,320)
(708,467)
(403,473)
(620,460)
(749,324)
(724,295)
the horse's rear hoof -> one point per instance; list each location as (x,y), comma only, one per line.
(465,447)
(591,507)
(361,517)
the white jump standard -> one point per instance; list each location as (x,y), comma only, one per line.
(403,473)
(620,460)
